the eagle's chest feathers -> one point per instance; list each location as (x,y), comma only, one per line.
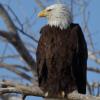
(57,39)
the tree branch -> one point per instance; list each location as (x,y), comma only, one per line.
(14,69)
(20,88)
(21,25)
(39,3)
(96,70)
(36,91)
(24,68)
(15,39)
(93,57)
(8,21)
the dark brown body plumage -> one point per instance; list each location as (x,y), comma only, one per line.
(62,60)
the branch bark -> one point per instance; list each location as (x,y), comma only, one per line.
(36,91)
(12,87)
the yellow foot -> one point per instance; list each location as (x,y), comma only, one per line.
(46,94)
(63,94)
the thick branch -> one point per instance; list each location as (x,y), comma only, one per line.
(20,88)
(15,40)
(35,91)
(76,96)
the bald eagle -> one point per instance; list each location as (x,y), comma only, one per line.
(61,53)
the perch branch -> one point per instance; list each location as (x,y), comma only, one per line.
(36,91)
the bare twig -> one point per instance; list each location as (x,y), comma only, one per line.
(31,37)
(8,21)
(21,25)
(93,57)
(14,69)
(40,4)
(17,19)
(93,69)
(89,88)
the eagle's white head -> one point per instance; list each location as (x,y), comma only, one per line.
(58,15)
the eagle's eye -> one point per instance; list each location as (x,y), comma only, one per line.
(49,10)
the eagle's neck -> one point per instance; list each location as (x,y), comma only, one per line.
(60,21)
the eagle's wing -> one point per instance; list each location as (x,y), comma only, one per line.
(80,60)
(41,61)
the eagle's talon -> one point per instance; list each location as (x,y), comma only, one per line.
(46,94)
(63,94)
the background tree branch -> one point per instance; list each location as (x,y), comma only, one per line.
(16,41)
(14,69)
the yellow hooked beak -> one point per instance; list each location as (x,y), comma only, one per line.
(42,13)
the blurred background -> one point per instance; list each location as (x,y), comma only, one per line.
(24,15)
